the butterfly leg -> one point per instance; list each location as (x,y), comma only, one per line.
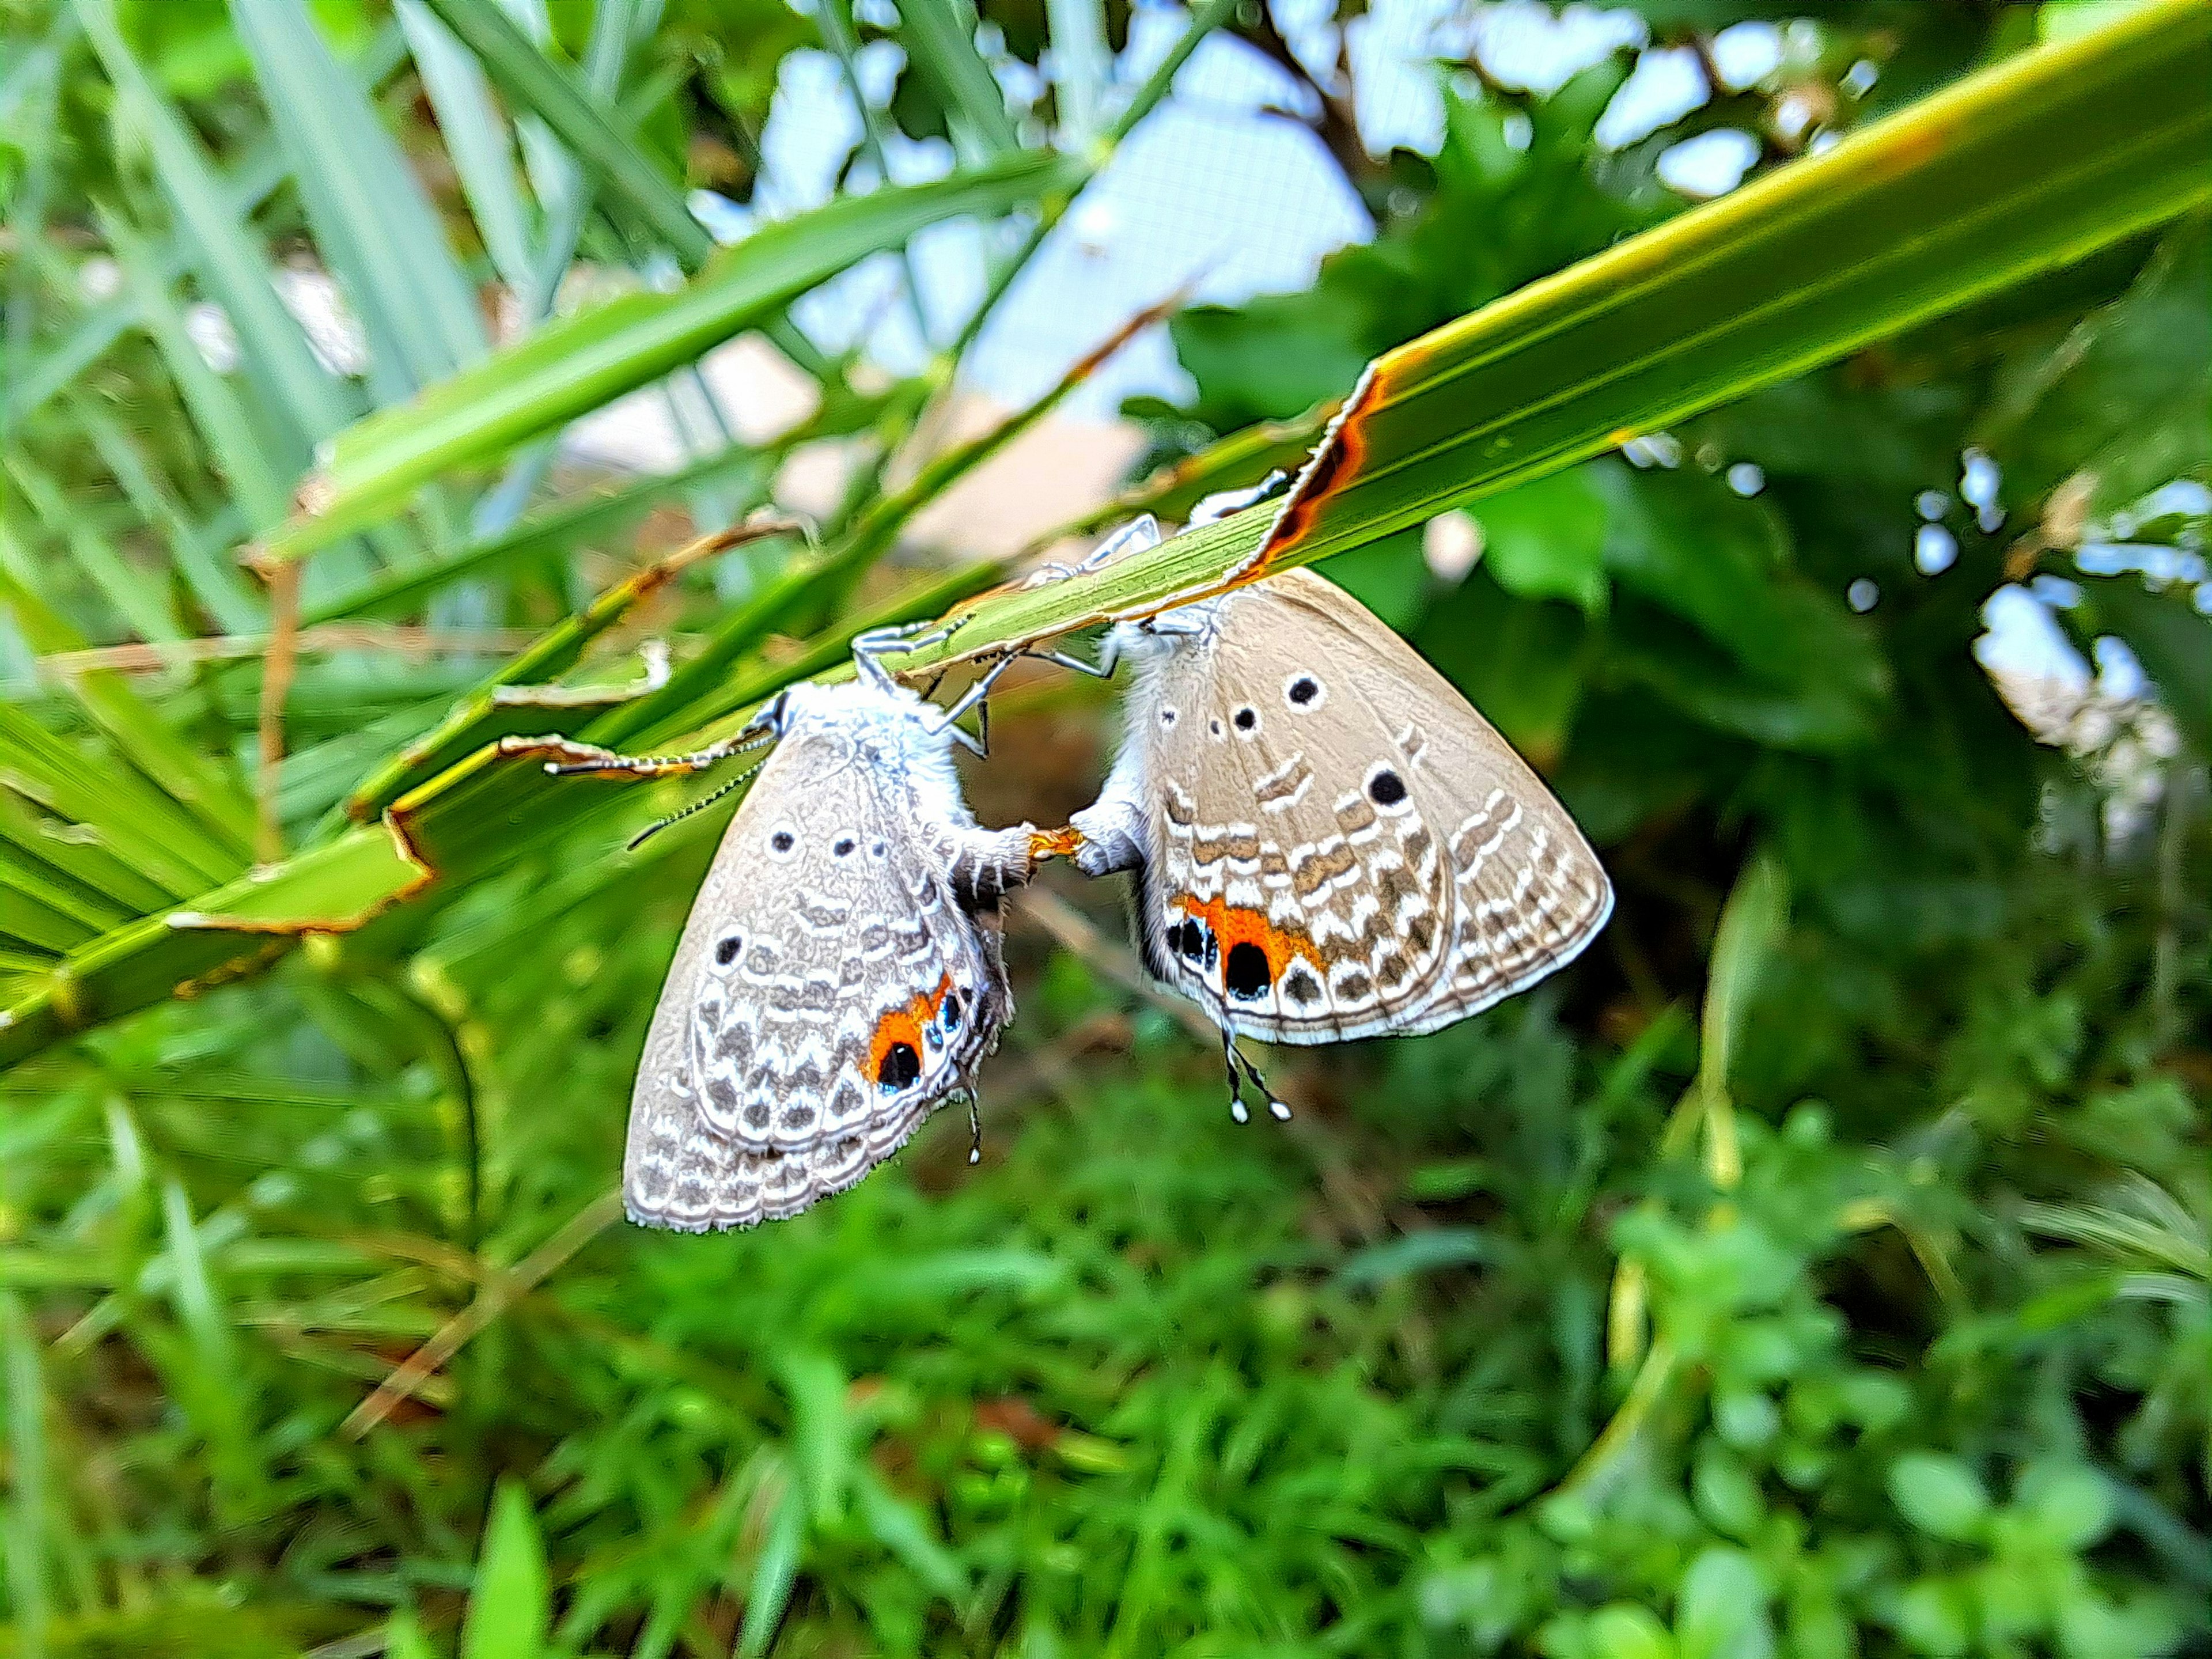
(1224,503)
(1109,657)
(870,648)
(1140,534)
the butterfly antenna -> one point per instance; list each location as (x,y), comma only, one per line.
(698,805)
(1228,1059)
(974,1129)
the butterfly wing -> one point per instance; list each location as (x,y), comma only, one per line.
(1344,847)
(828,993)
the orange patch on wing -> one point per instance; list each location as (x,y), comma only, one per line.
(904,1025)
(1234,927)
(1342,454)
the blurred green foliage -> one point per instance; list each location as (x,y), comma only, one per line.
(1820,1268)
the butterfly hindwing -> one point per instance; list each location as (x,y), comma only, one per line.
(831,989)
(1341,847)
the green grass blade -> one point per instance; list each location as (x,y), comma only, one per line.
(1082,64)
(230,259)
(582,114)
(510,1603)
(586,361)
(577,523)
(139,596)
(477,140)
(199,557)
(224,818)
(217,413)
(371,222)
(940,37)
(39,377)
(625,174)
(25,1406)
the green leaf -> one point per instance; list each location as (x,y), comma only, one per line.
(1940,1495)
(591,358)
(1774,658)
(2070,1504)
(1547,539)
(2124,401)
(1624,1630)
(2032,162)
(476,139)
(1722,1612)
(510,1607)
(1935,1617)
(1727,1496)
(774,1573)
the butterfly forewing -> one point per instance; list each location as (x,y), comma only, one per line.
(1343,848)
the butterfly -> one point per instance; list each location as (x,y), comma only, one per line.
(841,976)
(1327,840)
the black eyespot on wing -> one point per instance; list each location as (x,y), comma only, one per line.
(876,849)
(1247,718)
(900,1067)
(1245,973)
(843,847)
(725,951)
(1214,726)
(781,841)
(1386,788)
(1167,717)
(1301,987)
(950,1010)
(1187,939)
(1305,690)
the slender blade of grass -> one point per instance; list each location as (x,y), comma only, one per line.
(476,137)
(229,257)
(940,37)
(585,361)
(371,222)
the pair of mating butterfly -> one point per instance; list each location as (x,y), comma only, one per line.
(1326,842)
